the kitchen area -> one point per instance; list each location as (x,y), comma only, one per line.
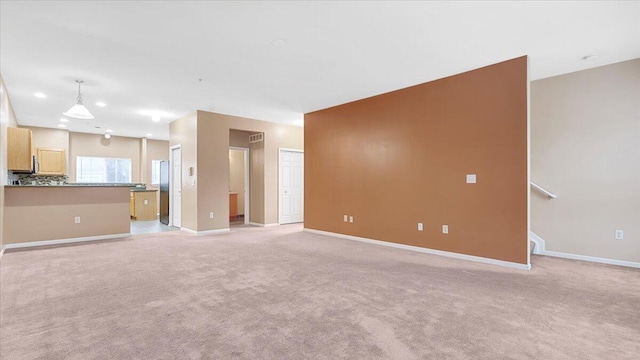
(67,187)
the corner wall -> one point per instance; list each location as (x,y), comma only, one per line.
(397,159)
(7,119)
(585,147)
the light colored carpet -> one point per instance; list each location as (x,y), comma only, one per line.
(280,293)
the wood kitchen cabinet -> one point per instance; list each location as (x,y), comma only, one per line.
(233,205)
(19,149)
(52,161)
(143,205)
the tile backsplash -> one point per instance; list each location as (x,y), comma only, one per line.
(28,179)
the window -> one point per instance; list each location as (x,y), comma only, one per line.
(155,172)
(102,170)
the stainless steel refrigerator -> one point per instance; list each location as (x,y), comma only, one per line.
(164,192)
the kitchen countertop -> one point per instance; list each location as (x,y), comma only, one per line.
(67,186)
(144,190)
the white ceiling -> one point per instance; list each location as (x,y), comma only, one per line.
(145,55)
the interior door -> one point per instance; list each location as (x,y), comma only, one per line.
(176,187)
(291,186)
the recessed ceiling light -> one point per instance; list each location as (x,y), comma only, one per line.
(109,130)
(155,118)
(101,104)
(107,136)
(590,57)
(62,125)
(278,43)
(149,135)
(40,95)
(64,120)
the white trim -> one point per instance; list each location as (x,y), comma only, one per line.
(592,259)
(528,156)
(64,241)
(263,225)
(205,232)
(540,249)
(171,202)
(540,245)
(1,252)
(426,250)
(247,181)
(280,150)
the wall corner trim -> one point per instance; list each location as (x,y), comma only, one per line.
(426,250)
(263,225)
(63,241)
(206,232)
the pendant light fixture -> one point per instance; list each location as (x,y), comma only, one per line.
(79,111)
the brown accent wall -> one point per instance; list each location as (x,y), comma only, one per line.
(400,158)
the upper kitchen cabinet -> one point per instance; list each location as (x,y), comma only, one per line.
(19,149)
(52,161)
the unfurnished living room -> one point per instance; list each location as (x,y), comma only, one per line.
(319,180)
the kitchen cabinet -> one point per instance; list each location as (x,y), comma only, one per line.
(143,205)
(52,161)
(19,149)
(233,205)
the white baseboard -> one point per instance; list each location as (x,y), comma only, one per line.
(540,249)
(426,250)
(263,225)
(206,232)
(64,241)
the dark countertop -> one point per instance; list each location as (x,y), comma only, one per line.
(147,190)
(68,186)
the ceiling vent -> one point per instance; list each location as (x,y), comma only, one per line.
(256,138)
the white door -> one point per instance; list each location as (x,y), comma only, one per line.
(291,186)
(176,187)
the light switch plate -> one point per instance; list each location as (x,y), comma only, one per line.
(445,229)
(346,218)
(619,234)
(350,219)
(471,178)
(146,202)
(420,227)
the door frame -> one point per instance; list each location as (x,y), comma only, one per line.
(171,199)
(280,150)
(247,182)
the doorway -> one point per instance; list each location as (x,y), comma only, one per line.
(291,185)
(176,187)
(239,191)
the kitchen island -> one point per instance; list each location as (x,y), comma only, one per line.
(56,214)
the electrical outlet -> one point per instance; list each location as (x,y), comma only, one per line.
(445,229)
(77,219)
(350,219)
(420,228)
(619,234)
(211,215)
(346,218)
(471,178)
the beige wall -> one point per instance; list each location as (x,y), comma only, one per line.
(184,133)
(585,147)
(7,119)
(51,138)
(236,176)
(204,137)
(81,144)
(47,213)
(401,158)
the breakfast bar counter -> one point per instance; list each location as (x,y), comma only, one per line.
(37,215)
